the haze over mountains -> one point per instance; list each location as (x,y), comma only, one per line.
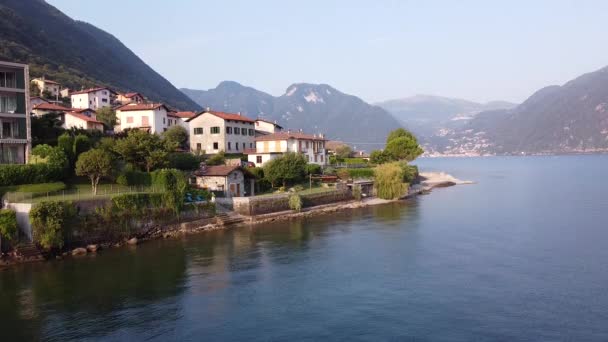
(315,108)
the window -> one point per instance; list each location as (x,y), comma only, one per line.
(307,158)
(307,144)
(228,130)
(198,146)
(163,121)
(237,146)
(215,130)
(216,145)
(90,101)
(8,104)
(104,100)
(321,156)
(198,130)
(250,145)
(251,132)
(8,79)
(244,131)
(244,146)
(6,130)
(229,147)
(237,130)
(129,119)
(315,158)
(258,159)
(164,129)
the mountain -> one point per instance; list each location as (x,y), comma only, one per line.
(572,118)
(77,54)
(315,108)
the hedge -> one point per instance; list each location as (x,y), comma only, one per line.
(15,174)
(135,203)
(361,173)
(133,178)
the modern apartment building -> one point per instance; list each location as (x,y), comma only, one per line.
(211,132)
(15,134)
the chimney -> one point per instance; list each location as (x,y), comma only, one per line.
(208,109)
(239,113)
(301,131)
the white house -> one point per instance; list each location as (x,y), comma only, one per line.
(212,132)
(266,127)
(271,146)
(152,117)
(49,86)
(94,98)
(45,108)
(81,121)
(130,98)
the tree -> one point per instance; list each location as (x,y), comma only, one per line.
(107,116)
(95,163)
(288,168)
(217,159)
(398,133)
(66,143)
(403,148)
(82,143)
(46,129)
(176,135)
(378,157)
(145,150)
(8,225)
(344,151)
(389,181)
(51,155)
(313,169)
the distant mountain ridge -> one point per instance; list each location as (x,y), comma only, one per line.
(572,118)
(77,54)
(315,108)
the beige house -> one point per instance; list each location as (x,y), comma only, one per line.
(233,180)
(94,98)
(271,146)
(15,132)
(263,127)
(52,87)
(152,117)
(212,132)
(130,98)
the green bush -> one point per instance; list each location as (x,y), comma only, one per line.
(295,202)
(361,173)
(313,169)
(355,161)
(137,203)
(131,177)
(174,184)
(217,159)
(329,171)
(15,174)
(51,222)
(183,161)
(8,225)
(410,173)
(41,188)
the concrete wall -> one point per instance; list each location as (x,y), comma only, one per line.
(22,211)
(269,204)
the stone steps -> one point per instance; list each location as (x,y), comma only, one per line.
(28,251)
(227,219)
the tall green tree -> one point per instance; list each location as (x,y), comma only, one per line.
(145,150)
(95,164)
(289,168)
(107,116)
(402,145)
(176,135)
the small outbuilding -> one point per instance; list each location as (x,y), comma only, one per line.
(232,180)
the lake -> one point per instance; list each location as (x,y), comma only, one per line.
(520,255)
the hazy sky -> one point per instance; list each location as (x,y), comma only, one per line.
(377,50)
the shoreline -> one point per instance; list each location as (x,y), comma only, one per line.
(429,181)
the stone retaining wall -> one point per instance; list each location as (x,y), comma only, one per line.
(258,205)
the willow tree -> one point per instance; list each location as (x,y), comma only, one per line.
(389,181)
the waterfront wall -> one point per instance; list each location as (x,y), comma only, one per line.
(266,204)
(22,211)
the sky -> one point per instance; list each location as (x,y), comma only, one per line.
(377,50)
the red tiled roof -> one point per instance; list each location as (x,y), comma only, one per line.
(217,170)
(288,135)
(172,114)
(184,115)
(92,90)
(83,117)
(52,106)
(132,94)
(141,106)
(82,110)
(270,122)
(225,116)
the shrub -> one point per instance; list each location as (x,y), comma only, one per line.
(361,173)
(49,154)
(389,181)
(343,174)
(8,225)
(15,174)
(357,194)
(131,177)
(410,173)
(137,203)
(82,143)
(50,222)
(330,171)
(295,202)
(217,159)
(355,161)
(174,184)
(288,168)
(183,161)
(313,169)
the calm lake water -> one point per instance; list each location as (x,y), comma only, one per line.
(521,255)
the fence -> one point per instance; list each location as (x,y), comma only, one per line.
(75,194)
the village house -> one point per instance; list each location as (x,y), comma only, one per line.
(81,120)
(51,87)
(15,132)
(36,100)
(94,98)
(271,146)
(232,180)
(46,108)
(151,117)
(65,92)
(211,132)
(130,98)
(263,127)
